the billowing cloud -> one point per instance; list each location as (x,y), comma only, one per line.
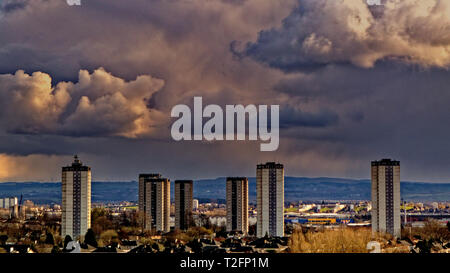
(29,104)
(320,32)
(99,104)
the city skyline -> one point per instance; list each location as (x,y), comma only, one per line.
(154,205)
(221,175)
(413,191)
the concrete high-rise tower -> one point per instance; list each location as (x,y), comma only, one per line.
(142,189)
(76,199)
(154,201)
(270,199)
(237,204)
(386,196)
(183,204)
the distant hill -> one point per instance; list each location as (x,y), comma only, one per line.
(296,188)
(326,188)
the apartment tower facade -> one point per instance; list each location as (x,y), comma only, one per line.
(154,201)
(183,204)
(385,176)
(270,199)
(237,204)
(76,199)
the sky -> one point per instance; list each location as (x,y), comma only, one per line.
(355,83)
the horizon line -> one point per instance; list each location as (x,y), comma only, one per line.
(222,177)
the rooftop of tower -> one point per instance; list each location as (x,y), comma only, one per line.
(77,165)
(237,178)
(386,162)
(184,181)
(150,175)
(156,179)
(270,165)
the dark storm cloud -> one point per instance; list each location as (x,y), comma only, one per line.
(44,46)
(7,6)
(387,111)
(347,83)
(360,86)
(320,32)
(291,117)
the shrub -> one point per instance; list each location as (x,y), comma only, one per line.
(90,239)
(109,236)
(342,240)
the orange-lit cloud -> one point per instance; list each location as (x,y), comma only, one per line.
(99,104)
(32,167)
